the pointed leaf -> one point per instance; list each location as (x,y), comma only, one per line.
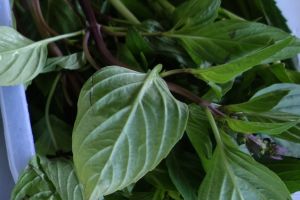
(21,59)
(259,127)
(227,72)
(228,40)
(194,12)
(127,122)
(262,103)
(235,175)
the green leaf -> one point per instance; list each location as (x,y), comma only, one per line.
(228,40)
(288,170)
(21,59)
(281,73)
(62,133)
(198,131)
(235,175)
(127,122)
(290,103)
(227,72)
(250,127)
(291,134)
(261,102)
(185,172)
(74,61)
(61,16)
(49,180)
(194,12)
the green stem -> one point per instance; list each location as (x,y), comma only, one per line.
(47,108)
(229,14)
(214,126)
(124,11)
(60,37)
(175,71)
(167,5)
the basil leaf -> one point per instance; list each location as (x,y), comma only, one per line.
(235,175)
(193,12)
(227,72)
(259,103)
(198,131)
(21,59)
(71,62)
(185,172)
(259,127)
(290,103)
(127,122)
(228,40)
(48,179)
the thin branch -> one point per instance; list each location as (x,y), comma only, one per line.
(87,52)
(97,35)
(194,98)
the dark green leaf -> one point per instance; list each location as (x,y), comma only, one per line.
(62,17)
(185,172)
(62,133)
(127,122)
(198,131)
(288,170)
(194,13)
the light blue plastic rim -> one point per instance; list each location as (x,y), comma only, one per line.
(16,122)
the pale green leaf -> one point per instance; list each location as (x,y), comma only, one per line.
(74,61)
(46,179)
(235,175)
(21,59)
(250,127)
(127,122)
(227,72)
(290,103)
(259,103)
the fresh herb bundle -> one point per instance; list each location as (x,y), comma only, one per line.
(178,99)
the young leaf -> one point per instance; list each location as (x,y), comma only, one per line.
(21,59)
(48,179)
(127,122)
(194,12)
(227,72)
(71,62)
(290,103)
(259,127)
(292,134)
(259,103)
(198,131)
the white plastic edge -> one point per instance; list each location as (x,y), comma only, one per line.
(290,9)
(16,122)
